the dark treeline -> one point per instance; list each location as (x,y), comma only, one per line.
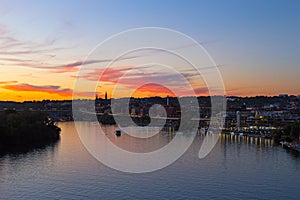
(289,133)
(26,129)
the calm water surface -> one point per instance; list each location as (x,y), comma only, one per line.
(237,168)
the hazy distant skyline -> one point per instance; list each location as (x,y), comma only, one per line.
(43,43)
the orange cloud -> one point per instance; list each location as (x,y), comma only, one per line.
(153,89)
(65,69)
(7,82)
(51,89)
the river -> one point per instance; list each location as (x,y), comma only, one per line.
(237,168)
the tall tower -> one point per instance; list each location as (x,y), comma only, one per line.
(168,100)
(105,95)
(238,120)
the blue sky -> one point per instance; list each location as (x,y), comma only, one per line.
(256,42)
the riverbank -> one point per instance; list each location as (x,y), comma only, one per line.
(294,146)
(25,130)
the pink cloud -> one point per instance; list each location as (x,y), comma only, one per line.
(65,69)
(151,83)
(111,75)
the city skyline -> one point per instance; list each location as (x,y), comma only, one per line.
(44,44)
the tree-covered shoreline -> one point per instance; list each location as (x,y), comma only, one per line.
(26,129)
(289,133)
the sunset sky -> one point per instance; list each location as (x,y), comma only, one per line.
(255,45)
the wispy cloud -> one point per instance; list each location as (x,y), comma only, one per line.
(14,51)
(3,29)
(13,48)
(111,75)
(29,75)
(15,60)
(7,82)
(152,80)
(31,51)
(71,67)
(52,68)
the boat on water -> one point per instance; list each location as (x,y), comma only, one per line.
(240,133)
(243,133)
(118,133)
(234,133)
